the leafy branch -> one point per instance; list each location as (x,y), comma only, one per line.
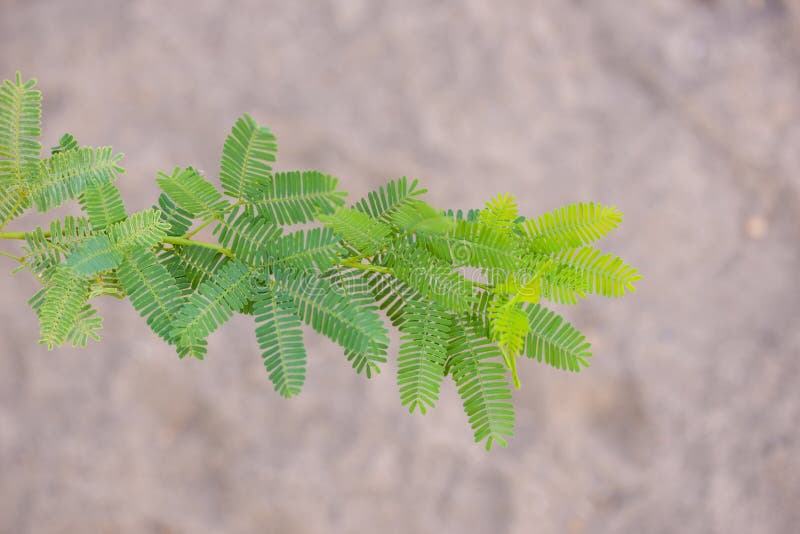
(465,289)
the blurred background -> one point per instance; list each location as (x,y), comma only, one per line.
(683,113)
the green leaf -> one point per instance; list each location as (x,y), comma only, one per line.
(43,253)
(103,204)
(482,384)
(420,218)
(195,264)
(365,234)
(554,340)
(214,302)
(193,193)
(432,278)
(248,237)
(14,201)
(66,142)
(570,227)
(66,292)
(86,327)
(476,245)
(500,214)
(296,197)
(280,337)
(392,295)
(20,127)
(423,352)
(384,201)
(352,322)
(70,232)
(317,248)
(247,156)
(144,229)
(178,219)
(94,255)
(152,290)
(602,274)
(68,174)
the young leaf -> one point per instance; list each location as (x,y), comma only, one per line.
(603,274)
(570,227)
(500,214)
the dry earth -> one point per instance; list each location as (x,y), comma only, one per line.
(685,114)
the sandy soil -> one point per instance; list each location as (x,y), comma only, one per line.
(682,113)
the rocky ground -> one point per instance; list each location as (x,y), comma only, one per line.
(685,114)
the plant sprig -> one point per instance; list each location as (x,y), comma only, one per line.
(463,288)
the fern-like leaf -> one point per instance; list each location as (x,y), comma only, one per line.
(94,255)
(352,323)
(65,295)
(103,204)
(144,229)
(420,218)
(214,302)
(87,325)
(423,352)
(247,156)
(432,278)
(317,248)
(363,233)
(500,214)
(280,337)
(603,274)
(194,264)
(555,341)
(247,236)
(297,197)
(68,174)
(570,227)
(383,202)
(482,384)
(152,290)
(178,219)
(193,193)
(475,245)
(66,142)
(20,127)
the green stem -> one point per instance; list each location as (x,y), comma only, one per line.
(203,225)
(175,240)
(355,264)
(170,239)
(12,256)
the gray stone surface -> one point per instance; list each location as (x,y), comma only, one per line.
(682,113)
